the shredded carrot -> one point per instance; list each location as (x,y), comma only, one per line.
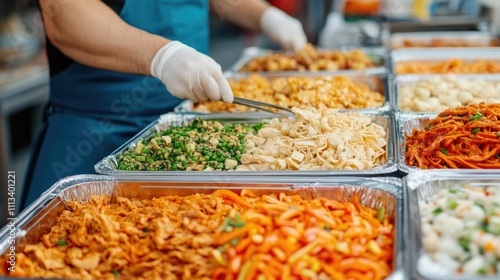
(308,238)
(463,137)
(226,194)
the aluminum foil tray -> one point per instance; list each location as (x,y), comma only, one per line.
(377,82)
(109,165)
(405,123)
(42,214)
(474,38)
(254,52)
(442,54)
(421,185)
(412,79)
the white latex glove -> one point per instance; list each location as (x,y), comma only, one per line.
(190,74)
(283,29)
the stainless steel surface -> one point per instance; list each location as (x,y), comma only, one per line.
(421,185)
(396,40)
(405,123)
(262,106)
(375,81)
(442,54)
(40,216)
(378,53)
(412,79)
(109,165)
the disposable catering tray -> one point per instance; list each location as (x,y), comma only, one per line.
(442,54)
(375,81)
(440,39)
(420,186)
(42,214)
(412,79)
(109,165)
(378,54)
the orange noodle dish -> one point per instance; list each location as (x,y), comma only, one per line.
(223,235)
(464,137)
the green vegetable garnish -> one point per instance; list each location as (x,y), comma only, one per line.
(453,190)
(444,151)
(464,243)
(146,229)
(429,126)
(61,243)
(498,134)
(116,273)
(235,241)
(451,203)
(437,211)
(380,213)
(475,130)
(326,228)
(480,204)
(483,270)
(477,116)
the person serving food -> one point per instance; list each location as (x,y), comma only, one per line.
(116,65)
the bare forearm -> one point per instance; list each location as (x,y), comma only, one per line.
(92,34)
(244,13)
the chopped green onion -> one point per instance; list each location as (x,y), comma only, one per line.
(429,126)
(477,116)
(380,213)
(444,151)
(483,270)
(498,134)
(476,130)
(116,273)
(146,229)
(237,224)
(480,204)
(498,155)
(464,243)
(451,203)
(235,241)
(61,243)
(452,190)
(326,228)
(437,211)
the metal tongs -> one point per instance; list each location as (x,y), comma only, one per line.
(282,111)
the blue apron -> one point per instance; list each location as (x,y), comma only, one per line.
(92,112)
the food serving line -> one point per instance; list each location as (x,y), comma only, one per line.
(164,159)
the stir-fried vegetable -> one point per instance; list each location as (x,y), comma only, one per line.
(201,145)
(286,237)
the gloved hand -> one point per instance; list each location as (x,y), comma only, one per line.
(190,74)
(283,29)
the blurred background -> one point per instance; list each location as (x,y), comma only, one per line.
(328,24)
